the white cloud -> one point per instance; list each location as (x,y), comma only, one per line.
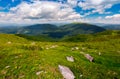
(49,11)
(97,2)
(72,3)
(113,17)
(98,5)
(102,20)
(40,11)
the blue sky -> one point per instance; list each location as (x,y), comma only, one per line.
(45,11)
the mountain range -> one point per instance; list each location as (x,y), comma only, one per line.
(53,30)
(112,27)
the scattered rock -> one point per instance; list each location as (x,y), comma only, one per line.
(54,46)
(72,49)
(51,47)
(81,75)
(66,72)
(33,43)
(21,76)
(99,53)
(90,58)
(115,73)
(47,48)
(75,48)
(9,42)
(39,72)
(7,67)
(71,59)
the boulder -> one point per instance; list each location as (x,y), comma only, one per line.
(90,58)
(66,72)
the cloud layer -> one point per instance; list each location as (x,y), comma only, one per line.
(40,11)
(98,5)
(114,17)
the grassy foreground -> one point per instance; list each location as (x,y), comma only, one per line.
(24,59)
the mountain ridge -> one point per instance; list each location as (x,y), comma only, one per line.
(55,31)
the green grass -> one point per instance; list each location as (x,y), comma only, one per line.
(23,58)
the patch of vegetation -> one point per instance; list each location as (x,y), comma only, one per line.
(23,57)
(101,36)
(42,38)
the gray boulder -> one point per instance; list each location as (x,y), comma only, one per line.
(66,72)
(90,58)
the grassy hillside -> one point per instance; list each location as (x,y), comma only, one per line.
(4,38)
(22,58)
(42,38)
(101,36)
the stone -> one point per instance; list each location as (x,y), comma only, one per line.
(81,75)
(21,76)
(90,58)
(47,48)
(99,53)
(7,67)
(9,42)
(33,43)
(39,72)
(72,49)
(66,72)
(54,46)
(71,59)
(75,48)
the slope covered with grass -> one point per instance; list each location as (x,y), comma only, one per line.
(26,59)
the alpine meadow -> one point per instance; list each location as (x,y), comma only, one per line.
(60,39)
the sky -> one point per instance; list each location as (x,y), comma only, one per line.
(59,11)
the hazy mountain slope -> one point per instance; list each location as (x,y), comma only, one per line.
(76,28)
(38,29)
(112,27)
(9,29)
(81,28)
